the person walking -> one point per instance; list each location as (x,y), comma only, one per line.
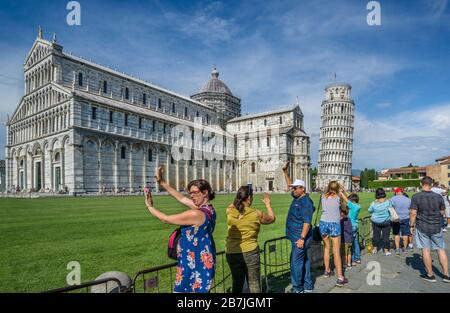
(401,228)
(427,209)
(330,229)
(242,250)
(196,252)
(299,232)
(381,221)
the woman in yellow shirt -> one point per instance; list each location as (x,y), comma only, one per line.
(242,241)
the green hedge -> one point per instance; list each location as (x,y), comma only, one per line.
(394,183)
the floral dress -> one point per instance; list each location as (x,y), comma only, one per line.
(196,255)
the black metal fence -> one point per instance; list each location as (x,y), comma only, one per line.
(161,278)
(106,285)
(275,263)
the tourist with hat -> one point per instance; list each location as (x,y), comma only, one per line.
(401,228)
(299,232)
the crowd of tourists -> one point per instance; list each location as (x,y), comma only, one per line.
(421,219)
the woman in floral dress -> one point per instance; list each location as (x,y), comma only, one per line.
(196,254)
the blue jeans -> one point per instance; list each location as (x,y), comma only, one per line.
(356,253)
(301,267)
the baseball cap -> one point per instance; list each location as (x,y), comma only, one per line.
(398,189)
(298,183)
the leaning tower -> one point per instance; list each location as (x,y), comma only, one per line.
(336,136)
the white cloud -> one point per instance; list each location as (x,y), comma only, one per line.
(415,136)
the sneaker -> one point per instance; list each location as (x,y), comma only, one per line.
(446,279)
(374,251)
(411,246)
(444,230)
(387,253)
(346,269)
(397,252)
(327,274)
(431,279)
(341,282)
(307,291)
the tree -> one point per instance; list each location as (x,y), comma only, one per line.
(313,177)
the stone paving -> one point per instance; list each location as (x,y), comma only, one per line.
(399,274)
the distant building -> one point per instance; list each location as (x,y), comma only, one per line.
(402,172)
(2,176)
(440,171)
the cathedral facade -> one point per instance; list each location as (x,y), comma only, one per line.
(85,128)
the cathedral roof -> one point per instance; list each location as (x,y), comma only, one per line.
(274,112)
(215,84)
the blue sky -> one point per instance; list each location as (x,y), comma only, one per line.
(268,53)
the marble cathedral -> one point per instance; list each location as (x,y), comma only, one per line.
(85,128)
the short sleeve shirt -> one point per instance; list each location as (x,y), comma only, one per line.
(429,206)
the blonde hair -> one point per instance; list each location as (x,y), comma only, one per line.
(333,188)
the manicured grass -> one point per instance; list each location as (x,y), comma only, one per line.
(40,236)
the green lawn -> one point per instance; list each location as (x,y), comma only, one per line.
(40,236)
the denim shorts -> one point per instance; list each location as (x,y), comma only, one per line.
(433,242)
(401,228)
(330,229)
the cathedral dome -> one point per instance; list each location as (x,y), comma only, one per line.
(215,84)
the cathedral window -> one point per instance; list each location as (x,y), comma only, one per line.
(159,103)
(111,115)
(206,163)
(154,125)
(105,86)
(253,167)
(127,93)
(173,108)
(144,98)
(80,79)
(185,112)
(140,123)
(172,160)
(265,122)
(268,141)
(123,151)
(207,119)
(126,119)
(197,114)
(150,155)
(221,164)
(281,120)
(94,113)
(165,126)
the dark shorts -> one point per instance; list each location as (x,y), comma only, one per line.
(401,228)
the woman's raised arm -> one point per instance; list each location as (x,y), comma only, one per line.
(172,191)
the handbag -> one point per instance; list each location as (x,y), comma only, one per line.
(317,236)
(393,213)
(174,238)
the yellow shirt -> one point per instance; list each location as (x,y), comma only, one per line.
(243,230)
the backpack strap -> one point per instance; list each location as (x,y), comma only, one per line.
(207,210)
